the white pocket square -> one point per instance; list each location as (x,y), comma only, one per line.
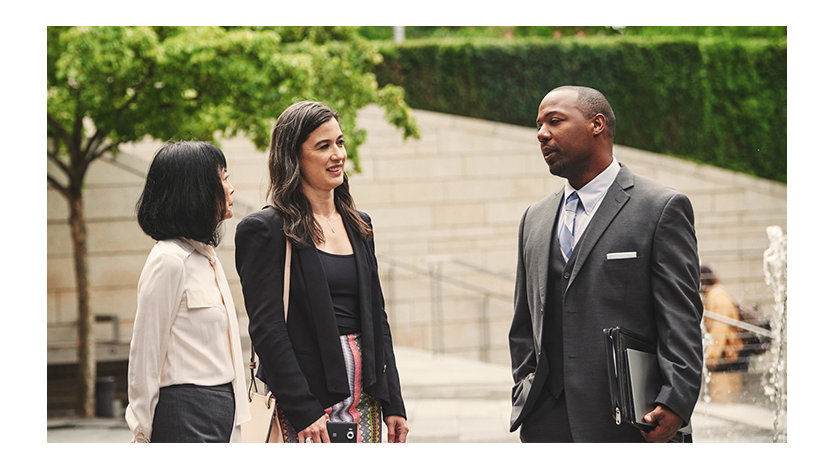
(621,255)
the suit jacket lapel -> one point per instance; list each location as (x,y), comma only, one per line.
(542,236)
(611,204)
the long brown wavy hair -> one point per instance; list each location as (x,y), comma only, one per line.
(291,129)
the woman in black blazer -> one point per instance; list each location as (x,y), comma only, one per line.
(332,359)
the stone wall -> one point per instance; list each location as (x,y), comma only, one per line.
(448,205)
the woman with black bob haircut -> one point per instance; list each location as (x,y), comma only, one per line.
(330,356)
(186,380)
(181,183)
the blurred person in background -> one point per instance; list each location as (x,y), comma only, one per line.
(722,354)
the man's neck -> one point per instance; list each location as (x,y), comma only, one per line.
(598,165)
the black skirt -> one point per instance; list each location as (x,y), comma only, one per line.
(193,413)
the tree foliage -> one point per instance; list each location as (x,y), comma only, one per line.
(112,85)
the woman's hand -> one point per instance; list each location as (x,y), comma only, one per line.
(316,432)
(397,428)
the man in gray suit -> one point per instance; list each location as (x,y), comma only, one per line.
(609,249)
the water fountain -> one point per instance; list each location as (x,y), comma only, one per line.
(775,380)
(758,413)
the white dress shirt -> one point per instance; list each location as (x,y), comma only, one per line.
(590,195)
(185,331)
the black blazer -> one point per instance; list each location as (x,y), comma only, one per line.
(301,360)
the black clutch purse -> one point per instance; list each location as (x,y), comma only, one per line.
(633,376)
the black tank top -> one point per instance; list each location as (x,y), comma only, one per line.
(340,271)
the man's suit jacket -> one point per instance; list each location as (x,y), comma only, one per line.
(654,293)
(301,360)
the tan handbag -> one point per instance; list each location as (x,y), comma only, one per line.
(264,426)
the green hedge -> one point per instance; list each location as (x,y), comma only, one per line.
(716,100)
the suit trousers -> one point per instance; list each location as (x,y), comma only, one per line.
(547,421)
(193,413)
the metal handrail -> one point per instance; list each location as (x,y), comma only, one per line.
(437,280)
(740,324)
(482,269)
(450,280)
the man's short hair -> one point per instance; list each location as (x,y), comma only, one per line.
(591,102)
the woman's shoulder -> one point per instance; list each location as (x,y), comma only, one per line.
(268,215)
(265,224)
(166,259)
(173,248)
(364,216)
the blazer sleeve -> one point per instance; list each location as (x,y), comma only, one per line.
(259,259)
(678,306)
(522,350)
(396,405)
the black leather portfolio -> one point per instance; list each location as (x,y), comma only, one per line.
(633,376)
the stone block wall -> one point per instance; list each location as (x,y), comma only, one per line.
(448,204)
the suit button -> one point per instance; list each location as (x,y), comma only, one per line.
(567,275)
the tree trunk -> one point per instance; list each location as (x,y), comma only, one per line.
(86,340)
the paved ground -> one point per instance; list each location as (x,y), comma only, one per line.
(452,400)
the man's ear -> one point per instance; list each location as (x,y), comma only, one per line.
(598,125)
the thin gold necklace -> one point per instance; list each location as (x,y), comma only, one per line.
(327,219)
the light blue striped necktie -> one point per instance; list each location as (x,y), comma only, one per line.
(566,233)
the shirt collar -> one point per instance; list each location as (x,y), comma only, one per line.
(593,192)
(203,249)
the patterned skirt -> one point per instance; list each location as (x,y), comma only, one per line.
(359,407)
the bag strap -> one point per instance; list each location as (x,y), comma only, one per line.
(287,259)
(252,363)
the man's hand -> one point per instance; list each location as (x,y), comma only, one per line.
(397,428)
(668,423)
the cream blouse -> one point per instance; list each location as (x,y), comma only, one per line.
(185,331)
